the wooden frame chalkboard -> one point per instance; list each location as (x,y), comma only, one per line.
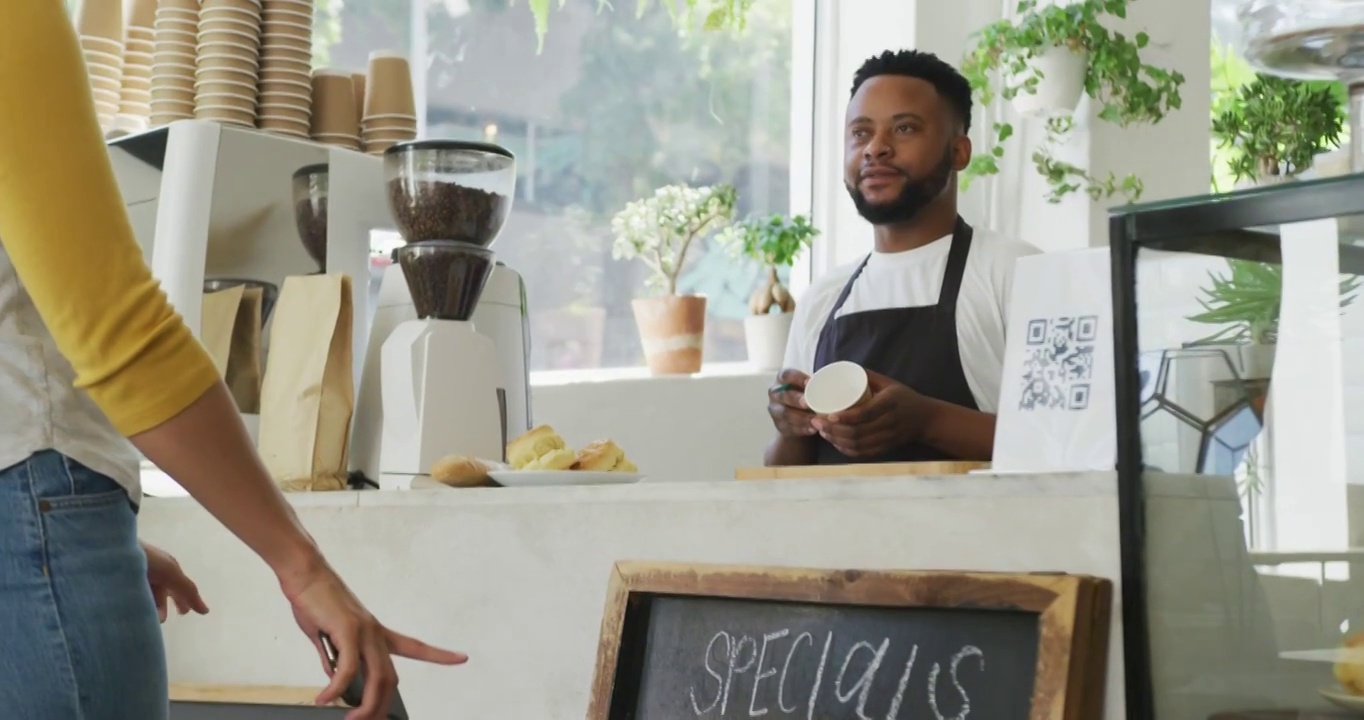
(1072,612)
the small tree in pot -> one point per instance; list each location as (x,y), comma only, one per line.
(659,231)
(774,241)
(1274,127)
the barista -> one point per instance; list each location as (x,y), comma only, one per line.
(924,312)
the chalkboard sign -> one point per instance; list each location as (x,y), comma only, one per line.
(697,641)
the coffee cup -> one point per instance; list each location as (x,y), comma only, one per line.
(836,387)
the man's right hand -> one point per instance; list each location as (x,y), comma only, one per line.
(786,405)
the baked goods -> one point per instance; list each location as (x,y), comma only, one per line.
(460,471)
(558,459)
(538,441)
(603,456)
(1349,671)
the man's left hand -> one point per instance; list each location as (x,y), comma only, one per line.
(170,584)
(891,417)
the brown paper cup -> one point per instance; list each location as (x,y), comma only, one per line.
(275,40)
(172,94)
(177,29)
(284,125)
(291,113)
(334,104)
(232,87)
(390,135)
(173,83)
(100,18)
(246,5)
(225,113)
(140,38)
(288,99)
(389,87)
(287,86)
(247,29)
(294,70)
(281,56)
(231,37)
(222,99)
(301,17)
(140,14)
(184,5)
(229,61)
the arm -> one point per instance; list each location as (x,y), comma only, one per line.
(789,451)
(958,431)
(64,226)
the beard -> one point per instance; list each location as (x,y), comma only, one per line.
(916,195)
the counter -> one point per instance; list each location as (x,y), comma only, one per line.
(518,577)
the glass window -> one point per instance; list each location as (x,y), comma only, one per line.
(612,108)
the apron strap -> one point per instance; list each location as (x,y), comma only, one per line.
(956,264)
(847,290)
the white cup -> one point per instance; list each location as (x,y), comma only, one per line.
(836,387)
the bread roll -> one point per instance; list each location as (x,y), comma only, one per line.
(460,471)
(538,442)
(561,459)
(604,456)
(1350,671)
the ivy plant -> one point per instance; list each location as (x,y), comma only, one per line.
(1275,126)
(1127,89)
(716,14)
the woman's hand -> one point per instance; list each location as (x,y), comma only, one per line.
(321,601)
(169,582)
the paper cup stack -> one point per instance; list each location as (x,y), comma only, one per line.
(174,61)
(389,115)
(135,95)
(334,121)
(228,61)
(100,25)
(286,67)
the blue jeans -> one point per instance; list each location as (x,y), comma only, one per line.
(79,635)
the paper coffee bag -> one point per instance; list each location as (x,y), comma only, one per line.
(243,375)
(308,394)
(217,321)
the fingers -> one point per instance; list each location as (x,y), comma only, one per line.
(380,677)
(415,649)
(791,422)
(159,595)
(792,377)
(347,645)
(877,382)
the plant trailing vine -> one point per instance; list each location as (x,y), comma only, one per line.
(1127,89)
(774,241)
(1274,127)
(717,14)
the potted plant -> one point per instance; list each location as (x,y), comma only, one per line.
(1273,127)
(774,241)
(1044,58)
(658,231)
(1245,303)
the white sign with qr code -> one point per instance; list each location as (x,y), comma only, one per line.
(1056,406)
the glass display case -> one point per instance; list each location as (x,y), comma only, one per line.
(1239,338)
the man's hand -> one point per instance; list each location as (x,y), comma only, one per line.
(170,583)
(892,416)
(786,405)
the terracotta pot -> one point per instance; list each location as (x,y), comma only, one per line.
(672,330)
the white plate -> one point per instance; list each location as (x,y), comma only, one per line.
(1340,698)
(543,478)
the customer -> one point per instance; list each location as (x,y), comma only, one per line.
(924,312)
(91,353)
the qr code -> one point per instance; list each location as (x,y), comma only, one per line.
(1058,363)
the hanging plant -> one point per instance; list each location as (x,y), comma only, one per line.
(1007,61)
(717,14)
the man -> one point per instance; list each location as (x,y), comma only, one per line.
(925,312)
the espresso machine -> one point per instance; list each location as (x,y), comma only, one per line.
(446,370)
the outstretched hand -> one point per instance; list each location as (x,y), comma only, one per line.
(892,416)
(170,584)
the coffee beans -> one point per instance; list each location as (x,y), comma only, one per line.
(311,216)
(445,278)
(434,210)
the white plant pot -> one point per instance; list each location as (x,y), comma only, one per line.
(766,336)
(1257,361)
(1062,72)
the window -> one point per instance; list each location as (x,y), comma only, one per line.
(613,107)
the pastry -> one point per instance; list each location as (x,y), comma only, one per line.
(603,456)
(460,471)
(560,459)
(1350,671)
(539,441)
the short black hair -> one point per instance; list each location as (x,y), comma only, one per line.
(949,83)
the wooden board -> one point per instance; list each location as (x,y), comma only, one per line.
(951,467)
(248,694)
(191,701)
(700,640)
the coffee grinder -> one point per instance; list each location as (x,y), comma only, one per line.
(441,380)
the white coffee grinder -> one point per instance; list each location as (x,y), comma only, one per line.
(442,380)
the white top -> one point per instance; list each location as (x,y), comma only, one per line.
(40,407)
(913,278)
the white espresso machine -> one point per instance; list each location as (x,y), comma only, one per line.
(446,370)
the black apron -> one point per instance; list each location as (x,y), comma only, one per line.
(915,346)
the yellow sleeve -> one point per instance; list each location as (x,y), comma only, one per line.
(64,226)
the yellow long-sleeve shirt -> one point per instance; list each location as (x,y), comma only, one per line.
(66,230)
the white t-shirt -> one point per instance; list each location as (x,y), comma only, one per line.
(913,278)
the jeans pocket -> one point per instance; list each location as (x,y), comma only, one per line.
(85,490)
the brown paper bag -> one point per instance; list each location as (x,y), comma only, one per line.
(308,394)
(244,361)
(217,320)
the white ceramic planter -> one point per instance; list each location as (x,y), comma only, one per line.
(766,336)
(1257,361)
(1062,74)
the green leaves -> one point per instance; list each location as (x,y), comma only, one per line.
(1246,303)
(1276,126)
(1126,89)
(774,241)
(718,15)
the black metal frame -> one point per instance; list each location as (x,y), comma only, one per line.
(1219,225)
